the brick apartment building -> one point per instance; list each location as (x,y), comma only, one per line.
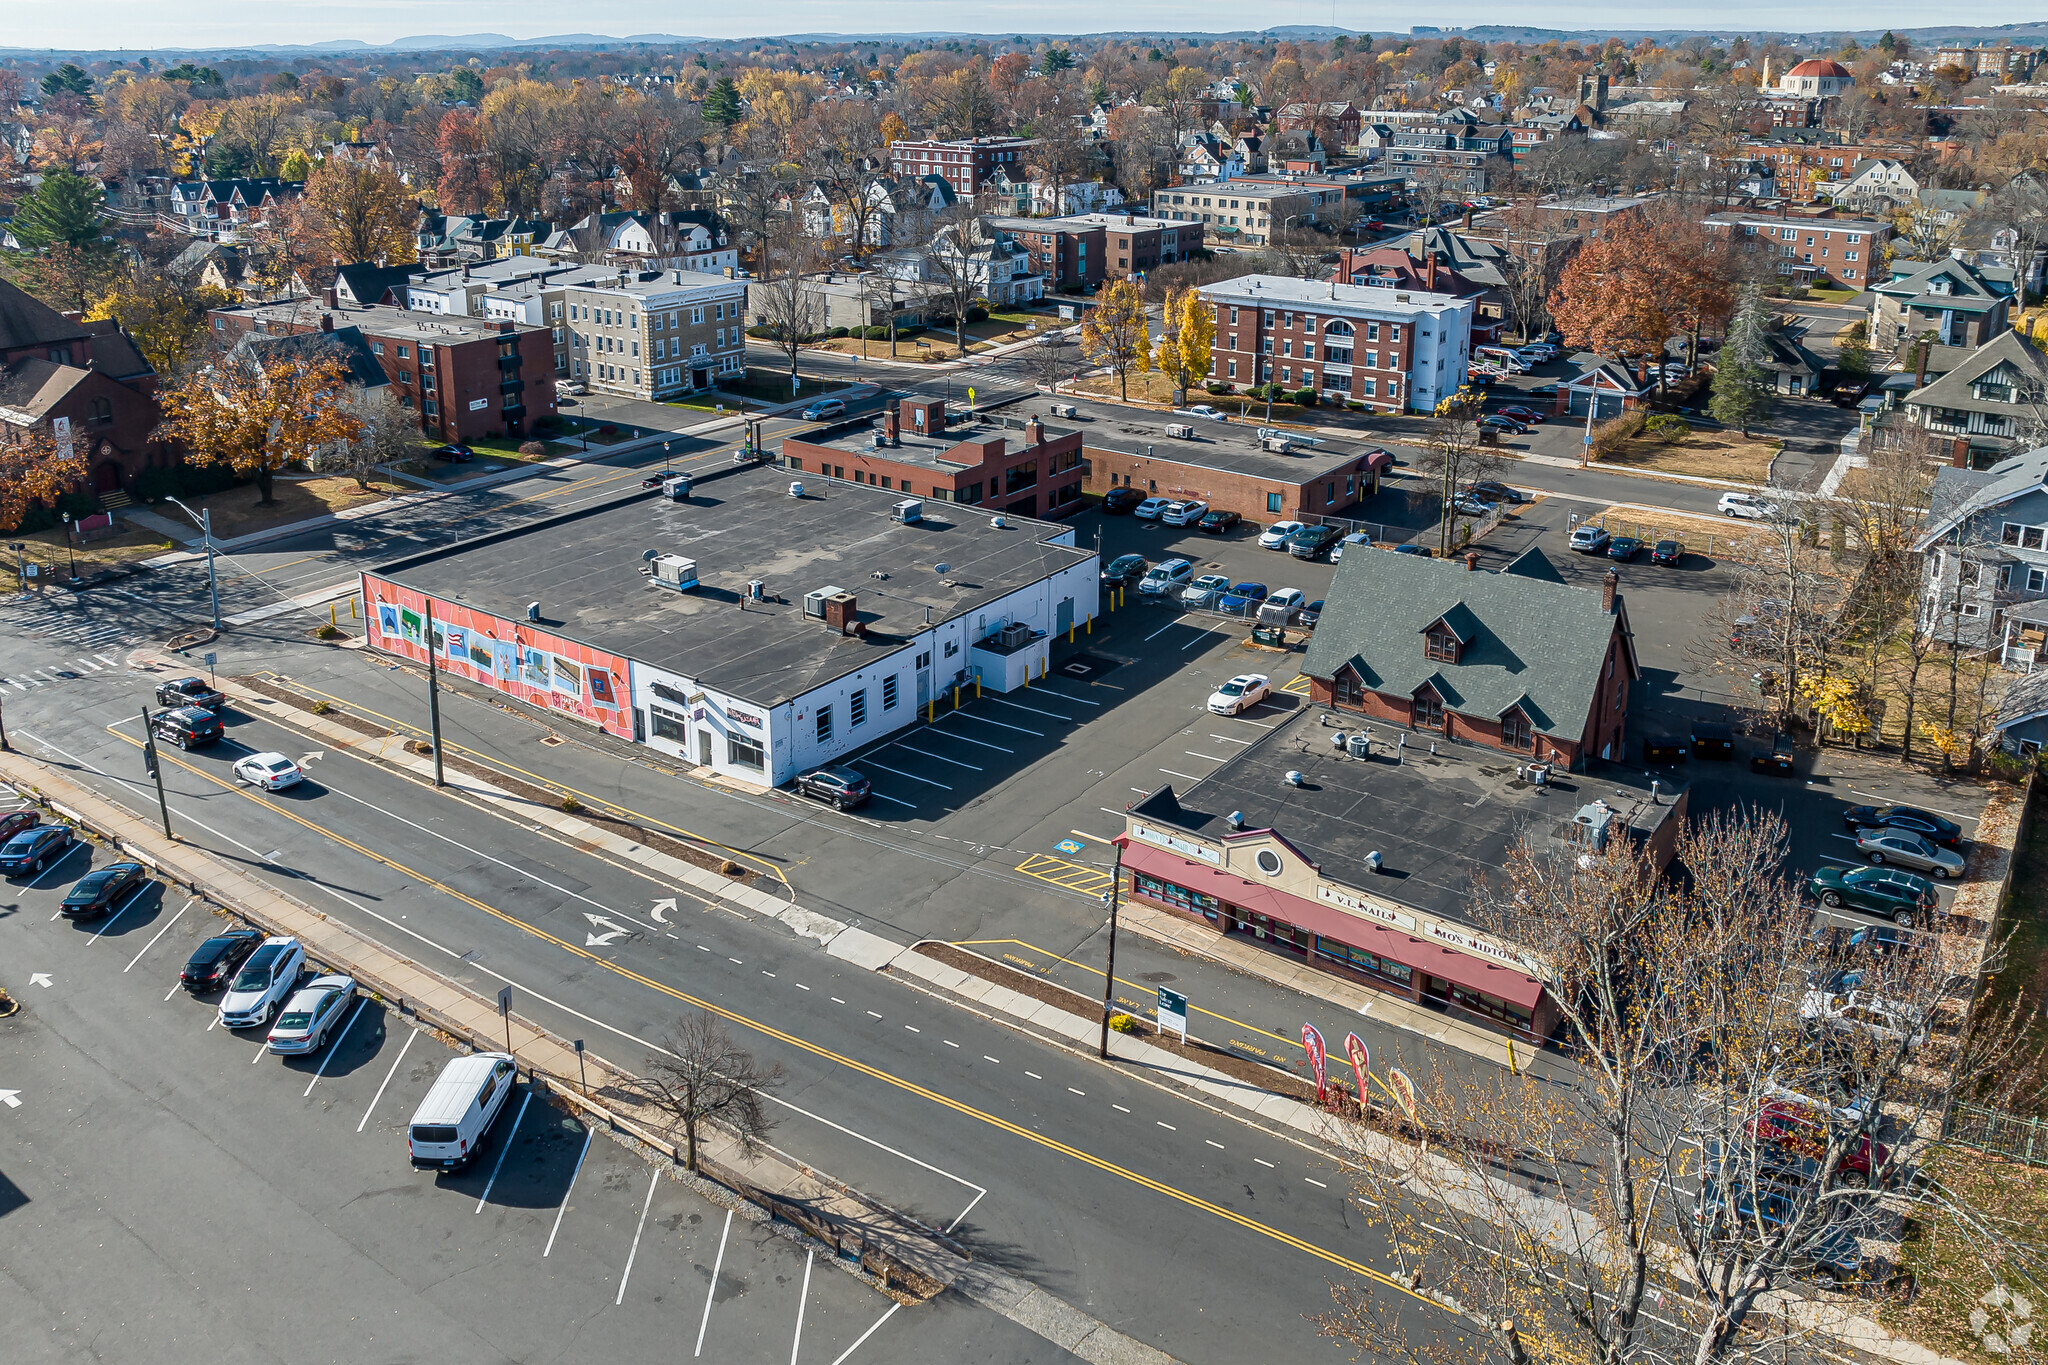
(1390,349)
(917,449)
(466,377)
(1131,243)
(1066,251)
(965,164)
(656,333)
(1844,251)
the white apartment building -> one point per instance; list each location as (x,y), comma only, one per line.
(655,334)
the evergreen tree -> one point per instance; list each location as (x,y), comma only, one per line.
(67,79)
(722,105)
(1743,381)
(64,211)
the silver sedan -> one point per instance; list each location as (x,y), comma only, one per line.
(1907,849)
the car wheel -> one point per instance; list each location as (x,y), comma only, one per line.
(37,867)
(1877,859)
(185,744)
(1855,1180)
(1831,899)
(1904,919)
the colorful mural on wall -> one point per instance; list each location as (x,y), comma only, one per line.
(515,657)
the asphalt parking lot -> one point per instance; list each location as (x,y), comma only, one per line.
(173,1192)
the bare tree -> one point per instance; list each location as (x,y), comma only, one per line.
(1725,1126)
(959,254)
(703,1077)
(1052,359)
(390,434)
(1453,457)
(782,299)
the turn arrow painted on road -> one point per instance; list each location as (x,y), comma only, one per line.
(603,940)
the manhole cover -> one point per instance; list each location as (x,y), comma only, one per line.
(1085,666)
(552,740)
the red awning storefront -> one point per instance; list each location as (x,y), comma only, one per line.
(1328,921)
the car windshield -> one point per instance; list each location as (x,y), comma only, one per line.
(1230,689)
(90,884)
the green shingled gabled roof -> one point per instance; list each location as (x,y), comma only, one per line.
(1535,641)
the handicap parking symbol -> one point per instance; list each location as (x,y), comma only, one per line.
(1070,846)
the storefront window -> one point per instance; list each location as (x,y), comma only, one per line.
(1478,1003)
(742,752)
(1179,897)
(668,725)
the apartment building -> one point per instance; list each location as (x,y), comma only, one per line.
(1841,251)
(467,377)
(964,163)
(1067,252)
(1131,244)
(1235,211)
(1391,350)
(655,334)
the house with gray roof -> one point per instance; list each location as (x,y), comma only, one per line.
(1513,660)
(1961,304)
(2021,725)
(1984,552)
(1991,400)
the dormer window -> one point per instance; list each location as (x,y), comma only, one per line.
(1440,645)
(1429,710)
(1515,731)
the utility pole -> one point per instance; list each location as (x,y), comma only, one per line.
(1116,886)
(4,745)
(156,770)
(205,522)
(433,694)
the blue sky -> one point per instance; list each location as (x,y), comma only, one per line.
(158,23)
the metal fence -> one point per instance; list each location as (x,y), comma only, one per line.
(1991,1130)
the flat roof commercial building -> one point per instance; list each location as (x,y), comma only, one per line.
(1364,862)
(751,631)
(916,447)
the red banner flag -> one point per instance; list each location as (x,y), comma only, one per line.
(1361,1062)
(1317,1058)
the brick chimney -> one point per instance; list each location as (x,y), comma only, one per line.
(1471,560)
(327,322)
(1468,219)
(1610,583)
(891,428)
(329,298)
(1920,365)
(840,613)
(1959,452)
(1034,432)
(1429,271)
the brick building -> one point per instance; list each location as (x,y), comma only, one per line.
(466,377)
(916,448)
(84,384)
(964,163)
(1389,349)
(1068,252)
(1843,251)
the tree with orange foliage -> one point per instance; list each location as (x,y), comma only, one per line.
(1612,299)
(354,211)
(258,416)
(34,469)
(465,184)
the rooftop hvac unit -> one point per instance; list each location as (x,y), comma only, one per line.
(1181,430)
(907,511)
(1279,445)
(1064,410)
(814,602)
(1016,635)
(674,571)
(677,487)
(1361,745)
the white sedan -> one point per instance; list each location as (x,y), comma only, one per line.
(1747,506)
(1243,691)
(1274,537)
(1150,508)
(272,772)
(310,1015)
(1208,411)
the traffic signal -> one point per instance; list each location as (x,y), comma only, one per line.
(149,760)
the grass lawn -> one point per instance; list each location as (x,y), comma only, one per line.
(1948,1262)
(772,386)
(47,547)
(237,512)
(507,448)
(1708,454)
(1830,295)
(2026,918)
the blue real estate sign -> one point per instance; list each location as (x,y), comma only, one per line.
(1173,1012)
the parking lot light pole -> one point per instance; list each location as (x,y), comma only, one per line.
(1116,884)
(205,523)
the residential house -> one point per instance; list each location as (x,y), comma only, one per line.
(212,205)
(1516,660)
(870,298)
(1603,386)
(1984,549)
(1876,185)
(83,384)
(1000,267)
(1387,350)
(1334,121)
(1795,370)
(1961,304)
(1991,400)
(695,241)
(1438,260)
(449,239)
(1074,197)
(1458,153)
(1297,153)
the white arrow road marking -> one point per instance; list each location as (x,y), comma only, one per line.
(317,753)
(7,1098)
(603,940)
(40,979)
(662,907)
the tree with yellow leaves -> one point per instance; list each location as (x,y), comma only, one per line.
(34,469)
(259,415)
(1842,702)
(1114,333)
(354,211)
(1188,326)
(165,318)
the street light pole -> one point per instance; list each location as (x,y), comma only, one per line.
(1116,886)
(434,694)
(68,550)
(205,523)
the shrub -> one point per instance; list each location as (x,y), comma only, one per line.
(571,804)
(729,868)
(321,708)
(977,314)
(762,332)
(1668,427)
(608,429)
(533,448)
(836,333)
(1123,1023)
(877,334)
(1218,389)
(1305,398)
(1616,432)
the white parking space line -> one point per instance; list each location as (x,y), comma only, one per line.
(1228,740)
(1317,1183)
(1242,721)
(1263,1162)
(883,767)
(1163,629)
(1887,801)
(335,1046)
(979,743)
(1019,706)
(962,1215)
(117,914)
(802,1297)
(710,1294)
(260,1050)
(173,990)
(160,933)
(1189,776)
(1206,633)
(53,867)
(941,758)
(641,1226)
(504,1151)
(1068,696)
(879,796)
(110,663)
(1207,758)
(588,1134)
(1001,725)
(862,1340)
(410,1034)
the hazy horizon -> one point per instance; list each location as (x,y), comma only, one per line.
(227,23)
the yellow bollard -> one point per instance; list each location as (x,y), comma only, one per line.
(1070,632)
(931,713)
(977,687)
(351,608)
(956,696)
(1512,1068)
(1091,625)
(331,609)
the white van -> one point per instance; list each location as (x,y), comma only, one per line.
(451,1122)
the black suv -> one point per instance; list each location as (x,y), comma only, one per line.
(214,963)
(842,787)
(1120,500)
(189,692)
(186,726)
